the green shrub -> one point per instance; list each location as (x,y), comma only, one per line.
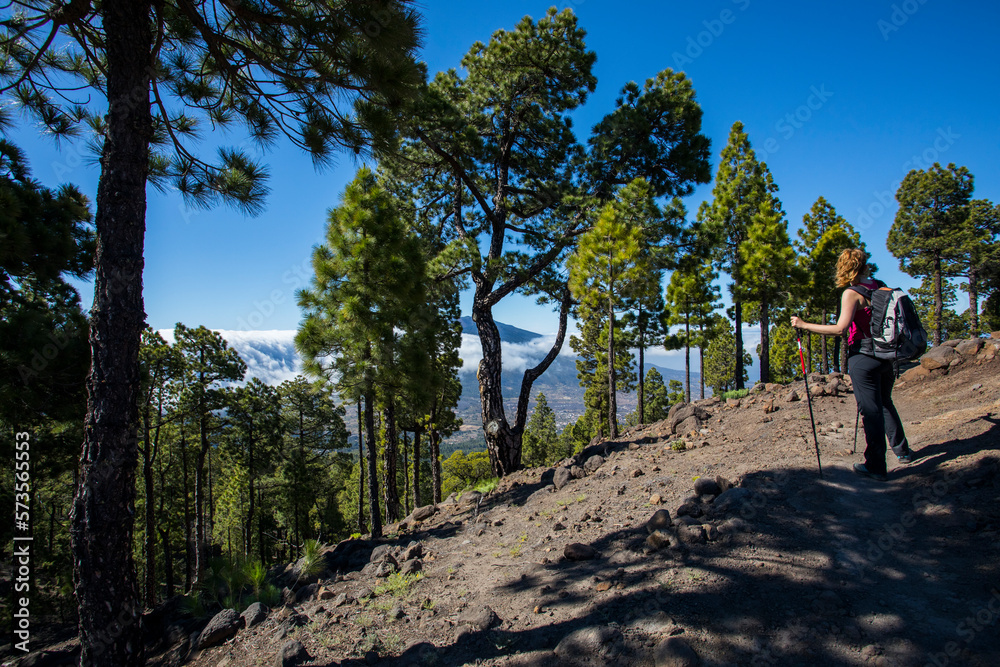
(735,393)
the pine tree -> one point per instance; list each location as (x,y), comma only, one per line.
(540,435)
(691,299)
(370,280)
(253,439)
(925,299)
(981,241)
(656,392)
(768,266)
(207,361)
(43,331)
(742,186)
(608,267)
(927,234)
(313,426)
(500,138)
(142,60)
(720,365)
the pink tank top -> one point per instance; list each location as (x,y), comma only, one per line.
(861,325)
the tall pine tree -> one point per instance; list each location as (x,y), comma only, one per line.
(741,187)
(927,234)
(370,280)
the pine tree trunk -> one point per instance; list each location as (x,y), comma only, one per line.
(104,506)
(938,301)
(168,564)
(701,364)
(838,344)
(435,454)
(416,468)
(361,474)
(973,302)
(687,357)
(612,384)
(252,504)
(503,446)
(809,351)
(738,308)
(642,369)
(374,513)
(188,541)
(823,350)
(765,343)
(391,455)
(200,552)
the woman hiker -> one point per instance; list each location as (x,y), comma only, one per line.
(872,378)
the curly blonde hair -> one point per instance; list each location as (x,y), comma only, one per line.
(850,266)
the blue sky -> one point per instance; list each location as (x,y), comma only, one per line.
(844,98)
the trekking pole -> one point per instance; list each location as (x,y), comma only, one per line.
(805,378)
(857,417)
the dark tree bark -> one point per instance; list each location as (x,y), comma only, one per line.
(765,343)
(823,350)
(104,506)
(374,513)
(361,473)
(738,323)
(391,456)
(687,357)
(416,467)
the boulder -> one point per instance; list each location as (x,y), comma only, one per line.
(692,534)
(423,513)
(593,463)
(706,486)
(306,593)
(731,499)
(690,424)
(995,335)
(579,551)
(411,566)
(970,348)
(675,652)
(562,477)
(915,373)
(413,550)
(685,413)
(952,343)
(659,521)
(481,618)
(793,396)
(223,625)
(673,411)
(254,614)
(291,654)
(939,357)
(586,644)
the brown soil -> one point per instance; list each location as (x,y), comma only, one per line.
(841,570)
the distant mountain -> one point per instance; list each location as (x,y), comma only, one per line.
(508,333)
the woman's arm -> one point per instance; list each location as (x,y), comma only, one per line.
(848,304)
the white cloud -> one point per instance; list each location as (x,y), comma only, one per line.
(516,356)
(270,356)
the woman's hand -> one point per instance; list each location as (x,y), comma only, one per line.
(798,323)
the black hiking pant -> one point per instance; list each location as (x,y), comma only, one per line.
(873,379)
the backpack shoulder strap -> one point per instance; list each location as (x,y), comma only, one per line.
(862,290)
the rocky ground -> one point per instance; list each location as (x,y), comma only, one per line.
(710,539)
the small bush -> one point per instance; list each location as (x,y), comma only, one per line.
(486,485)
(397,584)
(678,446)
(735,393)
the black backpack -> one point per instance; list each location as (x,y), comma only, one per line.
(897,334)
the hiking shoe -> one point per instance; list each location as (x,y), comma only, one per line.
(905,458)
(860,469)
